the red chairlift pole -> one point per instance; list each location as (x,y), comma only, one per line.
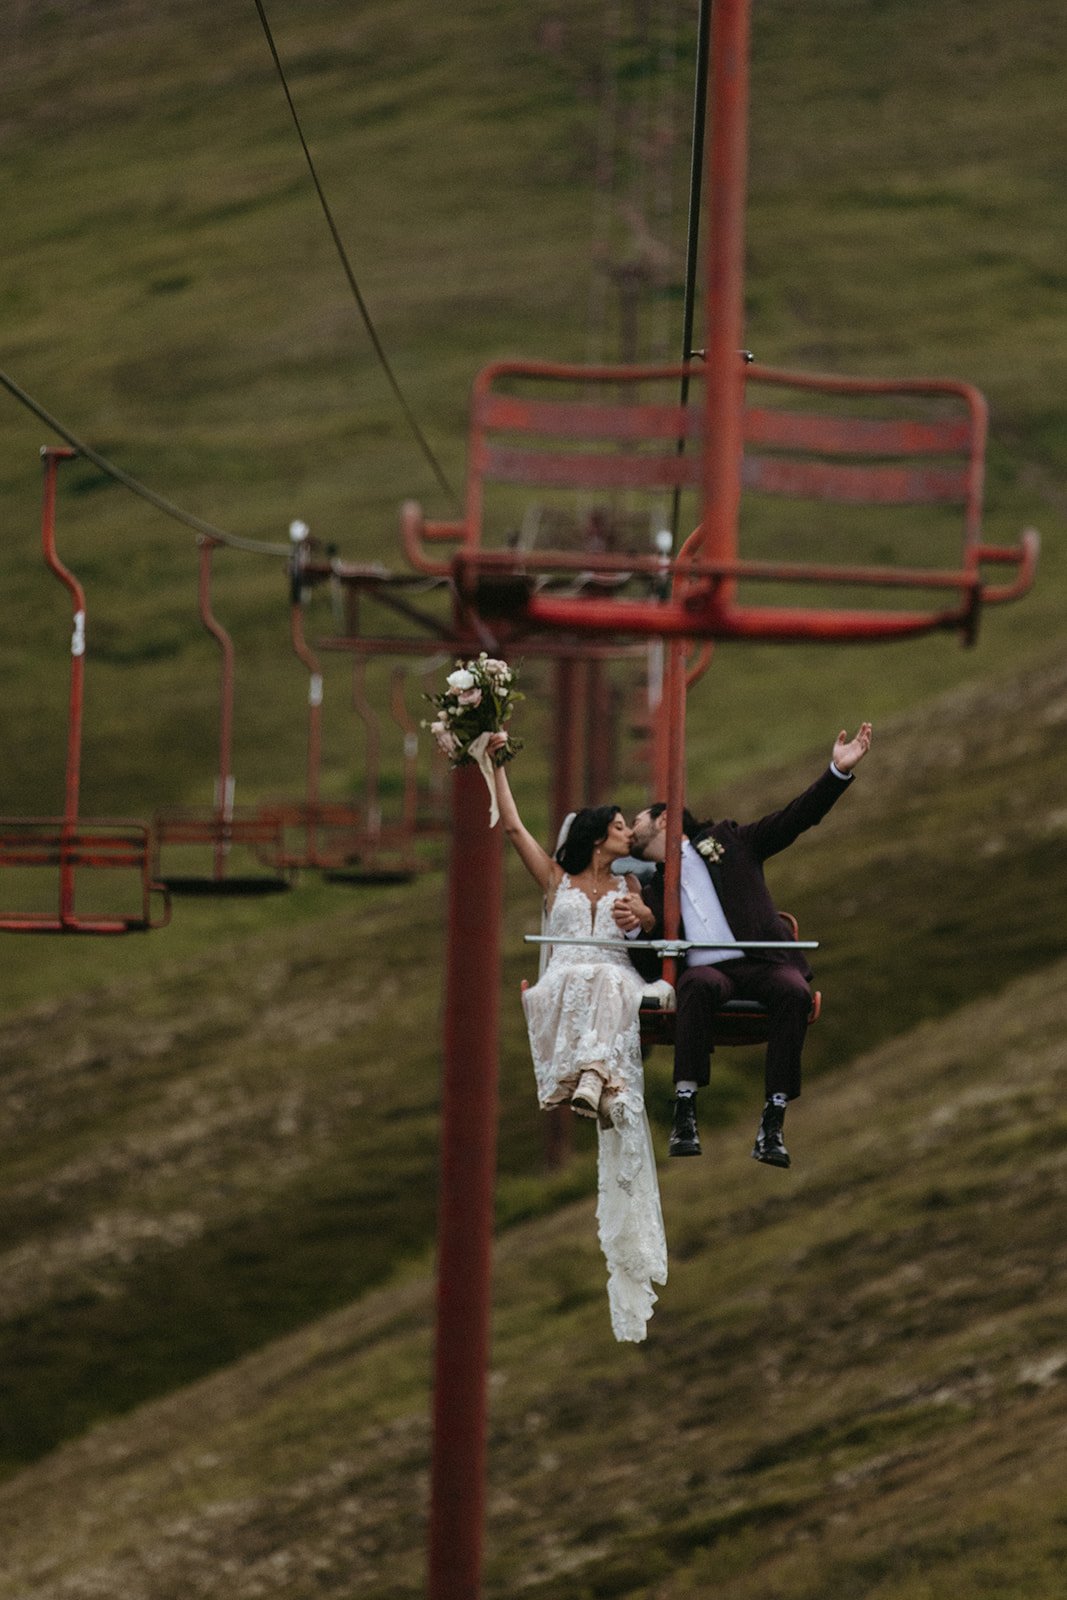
(716,539)
(469,1109)
(51,456)
(568,732)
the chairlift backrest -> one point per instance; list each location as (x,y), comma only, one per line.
(837,443)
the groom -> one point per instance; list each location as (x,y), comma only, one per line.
(724,897)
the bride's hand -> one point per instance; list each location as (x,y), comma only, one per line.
(497,741)
(626,913)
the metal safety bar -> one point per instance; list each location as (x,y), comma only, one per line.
(675,947)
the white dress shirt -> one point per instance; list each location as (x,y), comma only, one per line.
(702,914)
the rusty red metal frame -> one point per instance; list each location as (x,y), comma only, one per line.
(101,844)
(510,585)
(223,825)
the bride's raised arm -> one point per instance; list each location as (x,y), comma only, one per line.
(537,861)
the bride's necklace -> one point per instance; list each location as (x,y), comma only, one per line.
(598,885)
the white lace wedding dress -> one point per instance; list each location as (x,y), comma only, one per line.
(582,1012)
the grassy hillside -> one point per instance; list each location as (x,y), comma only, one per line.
(171,291)
(852,1385)
(201,1157)
(216,1203)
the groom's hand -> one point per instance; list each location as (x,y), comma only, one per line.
(848,753)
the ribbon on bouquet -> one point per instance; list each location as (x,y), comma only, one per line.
(479,751)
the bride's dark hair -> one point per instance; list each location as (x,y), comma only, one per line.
(589,828)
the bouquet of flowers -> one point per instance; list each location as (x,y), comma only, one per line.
(479,699)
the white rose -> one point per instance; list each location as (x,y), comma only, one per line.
(461,679)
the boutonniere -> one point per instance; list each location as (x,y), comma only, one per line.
(711,849)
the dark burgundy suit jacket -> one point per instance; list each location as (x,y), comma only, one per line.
(738,874)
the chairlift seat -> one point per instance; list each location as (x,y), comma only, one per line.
(321,835)
(246,829)
(96,846)
(738,1022)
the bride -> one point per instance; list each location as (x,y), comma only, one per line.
(585,1040)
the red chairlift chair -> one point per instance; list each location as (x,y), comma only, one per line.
(837,442)
(343,841)
(425,810)
(100,859)
(223,827)
(317,834)
(925,450)
(381,853)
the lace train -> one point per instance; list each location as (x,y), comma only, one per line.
(582,1013)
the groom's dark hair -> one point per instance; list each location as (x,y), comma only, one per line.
(690,825)
(588,829)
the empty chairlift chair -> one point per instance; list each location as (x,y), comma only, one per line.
(68,874)
(214,833)
(606,435)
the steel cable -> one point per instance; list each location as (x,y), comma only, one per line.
(368,323)
(235,541)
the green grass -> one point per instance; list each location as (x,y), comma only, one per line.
(220,1141)
(205,1150)
(832,1345)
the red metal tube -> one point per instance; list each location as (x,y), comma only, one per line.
(314,745)
(785,624)
(465,1217)
(567,740)
(372,812)
(224,791)
(51,456)
(602,734)
(406,723)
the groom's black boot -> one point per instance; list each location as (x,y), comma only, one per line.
(769,1145)
(684,1139)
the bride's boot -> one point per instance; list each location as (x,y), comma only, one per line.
(585,1101)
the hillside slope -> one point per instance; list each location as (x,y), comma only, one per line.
(171,292)
(853,1385)
(218,1186)
(202,1156)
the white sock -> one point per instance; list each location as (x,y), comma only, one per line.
(686,1086)
(779,1100)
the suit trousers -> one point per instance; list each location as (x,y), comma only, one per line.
(776,985)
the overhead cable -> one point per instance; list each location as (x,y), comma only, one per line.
(368,323)
(169,509)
